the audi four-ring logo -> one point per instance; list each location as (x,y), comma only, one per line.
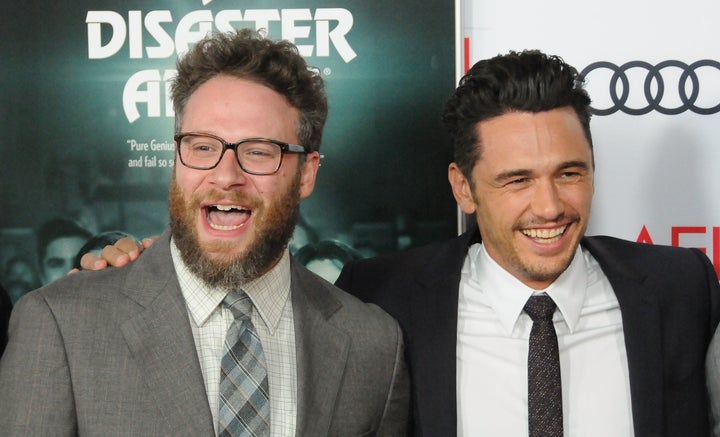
(657,80)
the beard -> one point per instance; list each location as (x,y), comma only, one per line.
(274,225)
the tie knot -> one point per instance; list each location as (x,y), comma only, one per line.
(239,303)
(540,307)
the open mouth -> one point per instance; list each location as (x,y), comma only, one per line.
(545,236)
(227,217)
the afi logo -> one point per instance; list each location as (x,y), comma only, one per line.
(676,233)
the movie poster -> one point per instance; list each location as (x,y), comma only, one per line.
(87,123)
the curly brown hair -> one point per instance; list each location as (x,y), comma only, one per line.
(248,54)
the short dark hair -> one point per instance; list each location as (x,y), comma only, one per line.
(527,81)
(248,54)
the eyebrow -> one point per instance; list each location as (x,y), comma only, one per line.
(527,172)
(568,164)
(512,174)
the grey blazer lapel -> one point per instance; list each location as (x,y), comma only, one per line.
(322,352)
(641,318)
(161,341)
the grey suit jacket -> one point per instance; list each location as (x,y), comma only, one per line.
(112,353)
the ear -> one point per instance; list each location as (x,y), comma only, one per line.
(308,173)
(461,189)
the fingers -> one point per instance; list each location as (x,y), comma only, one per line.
(125,246)
(92,262)
(120,254)
(147,242)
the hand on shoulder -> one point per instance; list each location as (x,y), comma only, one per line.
(122,253)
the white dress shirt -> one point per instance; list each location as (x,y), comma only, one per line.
(273,318)
(492,350)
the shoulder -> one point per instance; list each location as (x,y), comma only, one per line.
(77,287)
(336,305)
(439,257)
(643,256)
(78,303)
(151,271)
(683,280)
(97,298)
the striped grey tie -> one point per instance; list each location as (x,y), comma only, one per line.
(544,387)
(244,395)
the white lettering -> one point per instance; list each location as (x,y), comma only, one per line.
(262,17)
(224,18)
(132,95)
(167,78)
(135,34)
(136,146)
(151,95)
(95,20)
(165,47)
(295,25)
(184,36)
(163,146)
(337,35)
(292,32)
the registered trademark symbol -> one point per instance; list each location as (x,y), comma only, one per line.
(327,71)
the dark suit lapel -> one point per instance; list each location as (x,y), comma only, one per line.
(161,341)
(432,348)
(641,321)
(322,351)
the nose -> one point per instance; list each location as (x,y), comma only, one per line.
(547,202)
(228,172)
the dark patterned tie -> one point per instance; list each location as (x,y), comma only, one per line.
(544,388)
(244,408)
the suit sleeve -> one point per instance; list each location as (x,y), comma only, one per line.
(36,396)
(5,307)
(396,417)
(712,364)
(712,361)
(344,280)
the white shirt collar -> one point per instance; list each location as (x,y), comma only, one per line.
(269,293)
(507,295)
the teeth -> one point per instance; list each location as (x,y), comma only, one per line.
(227,207)
(225,228)
(545,234)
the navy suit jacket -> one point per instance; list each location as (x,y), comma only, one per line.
(669,300)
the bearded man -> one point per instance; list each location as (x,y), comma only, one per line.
(216,330)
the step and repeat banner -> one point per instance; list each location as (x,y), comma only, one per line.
(87,124)
(653,73)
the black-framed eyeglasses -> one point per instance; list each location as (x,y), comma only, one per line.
(257,156)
